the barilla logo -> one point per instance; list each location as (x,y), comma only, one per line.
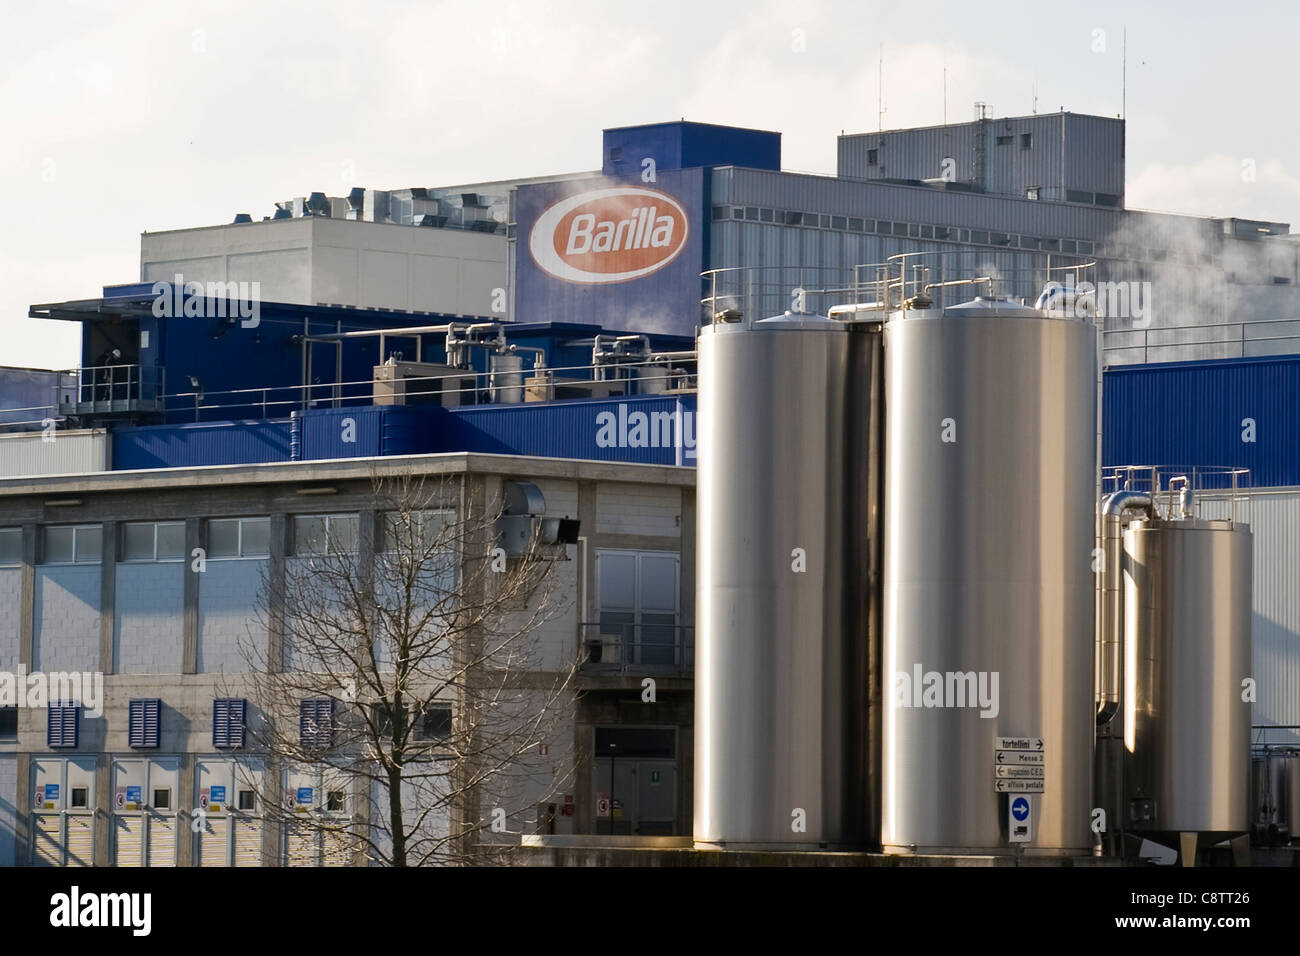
(609,235)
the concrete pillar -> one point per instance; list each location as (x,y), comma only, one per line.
(23,811)
(27,599)
(275,599)
(185,810)
(103,846)
(107,596)
(190,614)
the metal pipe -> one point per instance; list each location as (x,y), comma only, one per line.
(539,355)
(1110,597)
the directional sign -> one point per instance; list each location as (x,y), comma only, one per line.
(1020,824)
(1017,758)
(1023,773)
(1018,786)
(1018,743)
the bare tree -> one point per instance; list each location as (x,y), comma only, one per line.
(411,685)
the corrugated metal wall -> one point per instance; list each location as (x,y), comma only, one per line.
(70,453)
(204,443)
(1275,520)
(650,430)
(1201,413)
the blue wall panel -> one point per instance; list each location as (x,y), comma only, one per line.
(206,443)
(1192,413)
(655,430)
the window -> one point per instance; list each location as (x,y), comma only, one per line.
(11,546)
(1005,140)
(325,534)
(766,215)
(239,537)
(979,237)
(616,153)
(855,225)
(72,544)
(162,798)
(228,722)
(1026,140)
(8,723)
(423,530)
(153,541)
(64,723)
(873,157)
(436,723)
(79,798)
(638,605)
(145,716)
(247,800)
(316,723)
(1032,192)
(334,801)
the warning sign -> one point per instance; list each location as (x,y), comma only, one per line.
(602,805)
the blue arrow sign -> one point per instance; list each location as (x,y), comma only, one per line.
(1020,808)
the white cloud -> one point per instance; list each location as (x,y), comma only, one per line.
(1218,186)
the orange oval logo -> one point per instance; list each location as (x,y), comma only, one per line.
(609,235)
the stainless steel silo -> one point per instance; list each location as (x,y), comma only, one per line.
(990,480)
(1187,650)
(788,412)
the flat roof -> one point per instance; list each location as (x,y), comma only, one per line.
(346,469)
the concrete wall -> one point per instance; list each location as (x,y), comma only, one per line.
(314,260)
(639,510)
(148,631)
(11,616)
(66,618)
(227,591)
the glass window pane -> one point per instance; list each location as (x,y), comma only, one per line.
(257,537)
(58,545)
(171,540)
(11,545)
(309,534)
(90,545)
(343,533)
(658,583)
(137,542)
(223,538)
(617,580)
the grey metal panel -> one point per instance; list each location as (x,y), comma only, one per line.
(1275,520)
(1187,644)
(826,194)
(61,453)
(779,715)
(987,546)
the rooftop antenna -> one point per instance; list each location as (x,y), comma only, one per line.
(1035,91)
(1123,96)
(880,92)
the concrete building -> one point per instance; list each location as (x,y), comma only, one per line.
(121,787)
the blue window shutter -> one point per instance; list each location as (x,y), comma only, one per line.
(316,723)
(145,716)
(228,722)
(64,723)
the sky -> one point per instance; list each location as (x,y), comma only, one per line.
(120,118)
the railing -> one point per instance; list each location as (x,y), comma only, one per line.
(638,648)
(123,389)
(945,278)
(105,389)
(1194,491)
(1232,344)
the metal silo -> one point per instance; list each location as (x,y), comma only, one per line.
(786,514)
(1187,650)
(988,592)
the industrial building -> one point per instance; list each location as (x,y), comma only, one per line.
(595,335)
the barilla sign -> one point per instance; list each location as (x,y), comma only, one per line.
(609,235)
